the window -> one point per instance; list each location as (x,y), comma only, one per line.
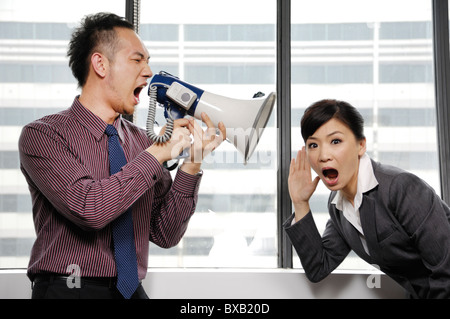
(310,73)
(330,31)
(35,80)
(230,52)
(383,65)
(373,54)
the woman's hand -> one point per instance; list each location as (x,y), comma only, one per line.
(300,183)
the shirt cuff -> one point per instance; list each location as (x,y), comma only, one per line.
(149,167)
(186,183)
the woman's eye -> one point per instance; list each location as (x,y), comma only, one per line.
(335,141)
(312,145)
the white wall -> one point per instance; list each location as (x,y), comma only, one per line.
(237,284)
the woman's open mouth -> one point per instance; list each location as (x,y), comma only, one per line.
(330,176)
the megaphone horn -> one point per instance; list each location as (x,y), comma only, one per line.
(244,120)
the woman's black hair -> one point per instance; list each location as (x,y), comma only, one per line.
(322,111)
(96,32)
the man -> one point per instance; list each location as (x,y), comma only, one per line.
(77,201)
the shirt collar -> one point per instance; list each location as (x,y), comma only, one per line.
(366,182)
(92,122)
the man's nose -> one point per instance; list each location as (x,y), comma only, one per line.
(147,72)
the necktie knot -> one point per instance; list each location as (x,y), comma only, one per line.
(111,130)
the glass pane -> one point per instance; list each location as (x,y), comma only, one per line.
(226,49)
(35,80)
(377,56)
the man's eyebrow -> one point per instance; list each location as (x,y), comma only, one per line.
(142,56)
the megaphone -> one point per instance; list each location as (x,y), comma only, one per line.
(244,120)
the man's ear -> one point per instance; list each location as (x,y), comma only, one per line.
(99,63)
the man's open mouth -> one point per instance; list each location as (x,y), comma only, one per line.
(137,92)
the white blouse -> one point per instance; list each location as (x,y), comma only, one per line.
(366,182)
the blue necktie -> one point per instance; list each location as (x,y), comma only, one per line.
(122,227)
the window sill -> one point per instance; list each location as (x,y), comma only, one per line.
(239,283)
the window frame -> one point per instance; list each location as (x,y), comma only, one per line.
(440,21)
(441,54)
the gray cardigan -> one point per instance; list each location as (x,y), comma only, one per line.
(407,229)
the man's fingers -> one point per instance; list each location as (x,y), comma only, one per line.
(223,131)
(183,122)
(207,120)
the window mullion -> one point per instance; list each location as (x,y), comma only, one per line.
(284,127)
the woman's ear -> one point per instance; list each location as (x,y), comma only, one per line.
(99,64)
(362,147)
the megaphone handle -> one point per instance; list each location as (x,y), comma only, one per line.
(173,114)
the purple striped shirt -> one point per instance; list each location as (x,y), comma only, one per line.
(64,158)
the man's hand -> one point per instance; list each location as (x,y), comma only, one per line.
(204,143)
(180,140)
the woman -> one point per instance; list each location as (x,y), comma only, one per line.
(389,217)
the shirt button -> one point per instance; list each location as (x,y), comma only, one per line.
(154,177)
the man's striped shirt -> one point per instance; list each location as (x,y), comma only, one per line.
(64,158)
